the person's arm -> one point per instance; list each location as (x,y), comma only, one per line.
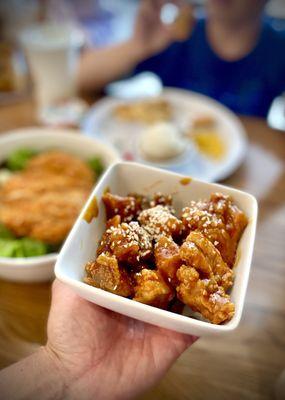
(98,67)
(33,378)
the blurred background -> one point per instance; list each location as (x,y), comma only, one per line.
(103,23)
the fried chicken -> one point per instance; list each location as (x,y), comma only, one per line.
(105,274)
(129,207)
(44,200)
(126,207)
(220,221)
(171,262)
(198,252)
(167,258)
(151,289)
(130,243)
(203,295)
(160,221)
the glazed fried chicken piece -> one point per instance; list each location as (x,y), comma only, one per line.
(151,289)
(203,295)
(130,243)
(160,199)
(160,221)
(167,258)
(126,207)
(104,273)
(129,207)
(114,221)
(234,219)
(198,252)
(221,221)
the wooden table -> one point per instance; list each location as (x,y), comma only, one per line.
(242,365)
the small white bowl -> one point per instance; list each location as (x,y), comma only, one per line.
(123,178)
(38,269)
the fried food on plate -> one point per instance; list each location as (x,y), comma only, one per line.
(43,200)
(75,171)
(147,111)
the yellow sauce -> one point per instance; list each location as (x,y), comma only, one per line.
(92,211)
(210,144)
(185,181)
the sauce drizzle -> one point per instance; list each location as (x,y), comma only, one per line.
(92,211)
(185,181)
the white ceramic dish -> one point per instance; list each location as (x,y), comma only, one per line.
(187,105)
(80,245)
(37,269)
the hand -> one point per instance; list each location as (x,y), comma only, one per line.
(105,355)
(151,35)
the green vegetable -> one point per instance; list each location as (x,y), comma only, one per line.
(8,247)
(96,164)
(24,247)
(19,158)
(5,233)
(32,247)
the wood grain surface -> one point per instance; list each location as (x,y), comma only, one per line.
(242,365)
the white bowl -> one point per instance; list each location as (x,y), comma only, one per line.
(80,246)
(37,269)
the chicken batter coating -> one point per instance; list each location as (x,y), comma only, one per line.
(60,163)
(105,274)
(204,295)
(151,289)
(220,221)
(130,243)
(160,221)
(126,207)
(167,258)
(198,252)
(129,207)
(48,217)
(43,201)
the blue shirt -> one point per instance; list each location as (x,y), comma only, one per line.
(246,86)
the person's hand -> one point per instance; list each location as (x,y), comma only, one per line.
(151,35)
(105,355)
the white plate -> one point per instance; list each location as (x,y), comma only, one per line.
(187,105)
(80,246)
(37,269)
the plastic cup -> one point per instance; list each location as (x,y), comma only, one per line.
(52,53)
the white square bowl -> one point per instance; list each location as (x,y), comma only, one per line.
(81,244)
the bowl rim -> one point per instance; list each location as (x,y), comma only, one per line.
(33,132)
(81,286)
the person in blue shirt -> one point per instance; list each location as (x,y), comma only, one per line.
(233,55)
